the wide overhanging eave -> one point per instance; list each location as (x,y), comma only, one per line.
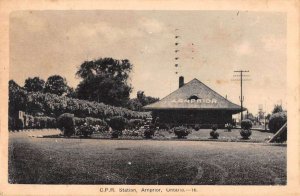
(227,109)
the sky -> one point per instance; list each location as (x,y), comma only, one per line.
(212,44)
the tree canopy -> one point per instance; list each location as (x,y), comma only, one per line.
(105,80)
(17,98)
(56,85)
(277,108)
(34,84)
(140,101)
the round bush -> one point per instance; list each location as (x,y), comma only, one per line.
(214,127)
(276,121)
(118,124)
(214,134)
(181,131)
(245,133)
(66,124)
(246,124)
(197,127)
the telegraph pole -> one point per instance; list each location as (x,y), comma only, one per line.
(241,79)
(177,51)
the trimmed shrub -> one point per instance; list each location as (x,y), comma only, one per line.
(36,122)
(181,131)
(133,133)
(16,123)
(29,121)
(86,130)
(39,122)
(51,122)
(246,124)
(11,123)
(197,127)
(79,121)
(276,121)
(95,122)
(214,127)
(19,124)
(66,124)
(43,122)
(214,134)
(118,124)
(92,121)
(245,133)
(135,123)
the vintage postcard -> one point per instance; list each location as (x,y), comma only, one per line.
(150,97)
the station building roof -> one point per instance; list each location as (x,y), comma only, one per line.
(194,95)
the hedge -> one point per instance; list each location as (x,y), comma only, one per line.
(42,122)
(53,105)
(276,121)
(31,122)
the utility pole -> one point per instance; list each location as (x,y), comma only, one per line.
(241,79)
(177,51)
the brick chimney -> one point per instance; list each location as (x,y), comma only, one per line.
(181,81)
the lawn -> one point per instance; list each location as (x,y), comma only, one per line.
(99,161)
(201,135)
(234,135)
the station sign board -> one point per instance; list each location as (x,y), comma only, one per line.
(195,101)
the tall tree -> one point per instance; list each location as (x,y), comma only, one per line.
(56,85)
(34,84)
(17,98)
(105,80)
(71,93)
(140,101)
(277,108)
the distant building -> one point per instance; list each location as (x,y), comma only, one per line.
(194,103)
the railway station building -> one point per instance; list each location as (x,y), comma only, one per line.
(194,103)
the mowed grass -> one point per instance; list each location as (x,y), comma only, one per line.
(98,161)
(201,135)
(224,135)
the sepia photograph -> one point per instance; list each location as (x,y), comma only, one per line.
(147,97)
